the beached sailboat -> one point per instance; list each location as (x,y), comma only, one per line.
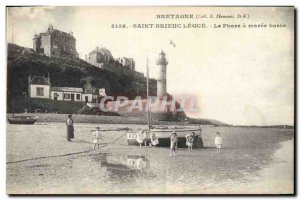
(22,119)
(163,133)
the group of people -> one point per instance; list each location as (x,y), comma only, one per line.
(96,135)
(142,136)
(97,138)
(173,142)
(190,141)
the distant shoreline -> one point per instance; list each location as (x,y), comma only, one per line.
(78,118)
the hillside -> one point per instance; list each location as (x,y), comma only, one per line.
(22,62)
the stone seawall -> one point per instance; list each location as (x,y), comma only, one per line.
(53,117)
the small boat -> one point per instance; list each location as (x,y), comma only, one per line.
(22,118)
(25,119)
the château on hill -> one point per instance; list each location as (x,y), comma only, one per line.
(113,77)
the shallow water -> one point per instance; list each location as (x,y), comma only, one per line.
(118,168)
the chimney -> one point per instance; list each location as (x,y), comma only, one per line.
(86,58)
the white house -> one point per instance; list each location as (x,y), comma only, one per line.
(39,87)
(66,93)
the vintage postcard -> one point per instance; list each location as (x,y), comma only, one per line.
(150,100)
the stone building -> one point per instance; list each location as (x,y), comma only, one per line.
(102,58)
(128,63)
(99,56)
(55,43)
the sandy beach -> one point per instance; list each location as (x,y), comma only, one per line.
(41,161)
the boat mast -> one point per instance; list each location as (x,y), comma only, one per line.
(12,35)
(148,107)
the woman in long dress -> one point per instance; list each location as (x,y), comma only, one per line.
(70,128)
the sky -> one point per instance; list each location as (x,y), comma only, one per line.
(239,76)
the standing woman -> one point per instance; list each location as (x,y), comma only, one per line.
(70,128)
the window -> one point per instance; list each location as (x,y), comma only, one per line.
(78,96)
(66,96)
(39,91)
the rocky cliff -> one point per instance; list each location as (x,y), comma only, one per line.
(22,62)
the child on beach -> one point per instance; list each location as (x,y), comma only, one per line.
(141,138)
(173,143)
(154,140)
(218,142)
(190,140)
(96,137)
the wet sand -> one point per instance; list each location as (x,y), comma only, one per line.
(250,162)
(280,175)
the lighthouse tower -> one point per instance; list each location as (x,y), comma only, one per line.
(162,75)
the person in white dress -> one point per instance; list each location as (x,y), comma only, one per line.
(218,142)
(154,140)
(141,137)
(97,137)
(190,140)
(173,143)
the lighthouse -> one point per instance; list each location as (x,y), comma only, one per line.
(162,75)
